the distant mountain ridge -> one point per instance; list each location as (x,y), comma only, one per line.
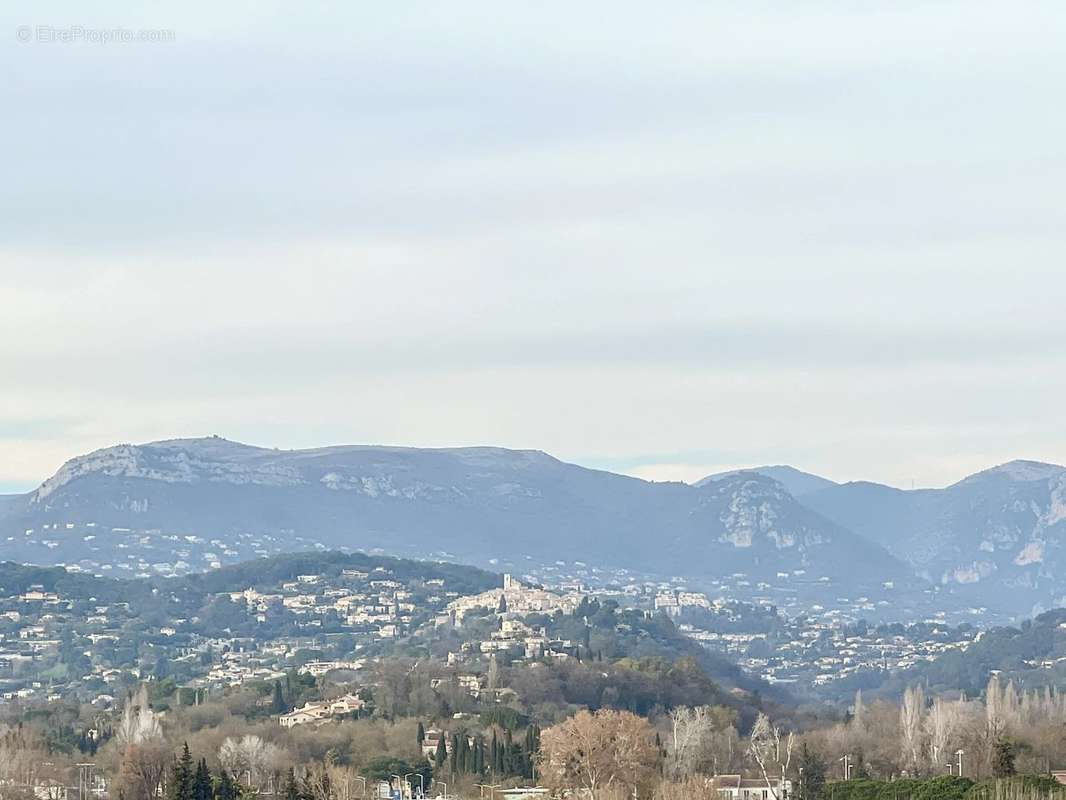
(797,482)
(197,499)
(996,536)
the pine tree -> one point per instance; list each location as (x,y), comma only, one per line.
(1003,759)
(811,775)
(291,790)
(858,765)
(201,782)
(181,779)
(225,789)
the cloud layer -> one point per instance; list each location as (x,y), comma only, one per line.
(663,241)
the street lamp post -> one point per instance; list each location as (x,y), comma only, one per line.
(421,782)
(846,759)
(85,780)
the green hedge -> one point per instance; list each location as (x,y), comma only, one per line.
(946,787)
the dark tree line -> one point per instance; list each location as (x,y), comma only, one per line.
(498,755)
(192,780)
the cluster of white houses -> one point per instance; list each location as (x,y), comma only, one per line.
(323,710)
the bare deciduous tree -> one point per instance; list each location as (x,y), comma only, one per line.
(690,739)
(249,758)
(769,750)
(601,753)
(941,724)
(911,729)
(143,768)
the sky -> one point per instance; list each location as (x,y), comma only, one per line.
(664,240)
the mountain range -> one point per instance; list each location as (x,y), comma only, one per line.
(999,533)
(197,500)
(994,539)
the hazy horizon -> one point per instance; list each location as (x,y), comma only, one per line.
(665,242)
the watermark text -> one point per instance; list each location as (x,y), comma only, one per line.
(84,34)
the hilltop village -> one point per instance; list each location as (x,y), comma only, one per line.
(72,636)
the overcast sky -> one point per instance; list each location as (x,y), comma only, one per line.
(663,239)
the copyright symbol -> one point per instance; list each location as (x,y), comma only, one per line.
(24,33)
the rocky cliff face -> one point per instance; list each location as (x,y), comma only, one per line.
(477,504)
(997,537)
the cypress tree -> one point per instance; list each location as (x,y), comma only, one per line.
(508,753)
(279,706)
(479,756)
(464,752)
(454,765)
(420,735)
(441,756)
